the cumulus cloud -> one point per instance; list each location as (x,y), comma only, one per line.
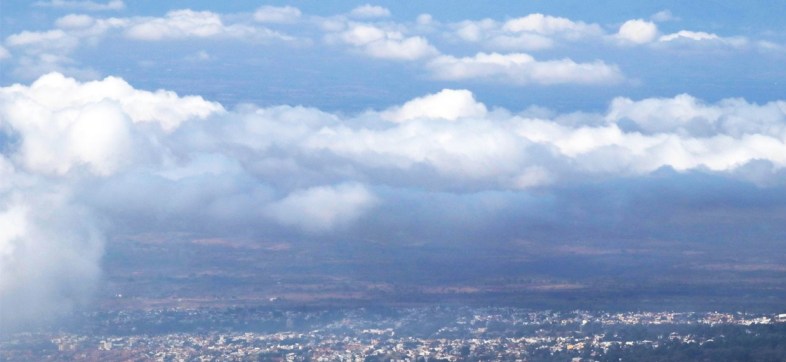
(277,14)
(4,53)
(51,50)
(54,133)
(322,208)
(520,68)
(548,25)
(377,42)
(637,31)
(531,32)
(50,250)
(44,51)
(640,31)
(536,32)
(369,11)
(54,92)
(112,5)
(183,24)
(688,116)
(448,104)
(41,52)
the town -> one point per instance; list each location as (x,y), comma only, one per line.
(452,333)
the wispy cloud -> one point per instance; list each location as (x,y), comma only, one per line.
(520,68)
(111,5)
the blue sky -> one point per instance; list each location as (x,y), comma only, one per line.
(446,122)
(742,62)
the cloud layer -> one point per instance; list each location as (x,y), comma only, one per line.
(157,161)
(536,48)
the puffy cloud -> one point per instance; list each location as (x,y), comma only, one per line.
(638,31)
(277,14)
(520,68)
(49,254)
(488,33)
(47,51)
(463,152)
(54,134)
(54,92)
(538,31)
(549,25)
(688,116)
(531,32)
(448,104)
(98,136)
(60,116)
(322,208)
(386,44)
(185,23)
(369,11)
(83,5)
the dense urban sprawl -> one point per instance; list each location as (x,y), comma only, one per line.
(410,334)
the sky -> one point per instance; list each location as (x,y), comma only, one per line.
(448,122)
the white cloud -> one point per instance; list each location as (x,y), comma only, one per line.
(663,16)
(63,132)
(473,31)
(323,207)
(183,24)
(531,32)
(638,31)
(180,24)
(550,25)
(425,19)
(112,5)
(47,51)
(74,21)
(64,124)
(448,104)
(49,255)
(689,35)
(466,150)
(33,38)
(277,14)
(370,11)
(42,52)
(487,32)
(520,68)
(165,108)
(386,44)
(688,116)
